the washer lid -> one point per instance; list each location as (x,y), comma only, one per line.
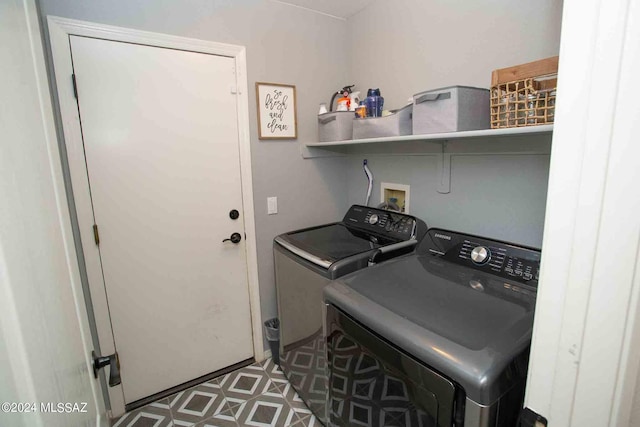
(466,324)
(334,242)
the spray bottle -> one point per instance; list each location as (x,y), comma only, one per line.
(345,91)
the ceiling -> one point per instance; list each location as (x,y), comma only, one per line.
(337,8)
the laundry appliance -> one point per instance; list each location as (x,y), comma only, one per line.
(305,262)
(437,338)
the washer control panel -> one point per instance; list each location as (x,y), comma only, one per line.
(518,263)
(393,224)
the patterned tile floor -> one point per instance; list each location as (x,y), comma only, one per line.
(256,395)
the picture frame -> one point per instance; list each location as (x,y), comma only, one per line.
(277,111)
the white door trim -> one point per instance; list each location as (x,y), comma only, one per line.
(587,324)
(53,261)
(59,31)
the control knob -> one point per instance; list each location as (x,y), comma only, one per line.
(480,255)
(373,219)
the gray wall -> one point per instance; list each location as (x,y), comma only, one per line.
(284,45)
(407,46)
(402,47)
(635,405)
(499,196)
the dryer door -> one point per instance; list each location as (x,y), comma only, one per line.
(372,383)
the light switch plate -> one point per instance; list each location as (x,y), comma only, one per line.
(272,205)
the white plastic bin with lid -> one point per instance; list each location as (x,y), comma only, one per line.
(335,126)
(451,109)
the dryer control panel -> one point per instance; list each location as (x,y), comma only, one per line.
(518,263)
(387,223)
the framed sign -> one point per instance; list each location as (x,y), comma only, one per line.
(277,117)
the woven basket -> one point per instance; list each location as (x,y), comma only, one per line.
(528,98)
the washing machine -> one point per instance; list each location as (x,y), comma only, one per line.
(437,338)
(305,262)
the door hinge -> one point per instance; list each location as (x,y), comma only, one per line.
(75,86)
(96,235)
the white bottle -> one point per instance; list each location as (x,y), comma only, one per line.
(355,100)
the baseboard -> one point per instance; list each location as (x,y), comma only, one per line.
(267,354)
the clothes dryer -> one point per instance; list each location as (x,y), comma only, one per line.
(437,338)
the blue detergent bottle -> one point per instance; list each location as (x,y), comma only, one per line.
(374,103)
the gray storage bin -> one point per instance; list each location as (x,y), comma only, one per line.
(335,126)
(396,124)
(451,109)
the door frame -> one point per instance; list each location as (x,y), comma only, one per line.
(60,29)
(32,369)
(585,350)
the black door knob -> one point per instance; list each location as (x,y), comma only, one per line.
(235,238)
(234,214)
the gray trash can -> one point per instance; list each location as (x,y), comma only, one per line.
(272,332)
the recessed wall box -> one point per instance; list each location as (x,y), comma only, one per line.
(395,194)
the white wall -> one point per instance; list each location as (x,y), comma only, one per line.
(585,351)
(43,356)
(635,411)
(408,46)
(627,404)
(284,45)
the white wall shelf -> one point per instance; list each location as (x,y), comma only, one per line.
(417,144)
(525,140)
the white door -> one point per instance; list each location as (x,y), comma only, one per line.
(45,344)
(160,134)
